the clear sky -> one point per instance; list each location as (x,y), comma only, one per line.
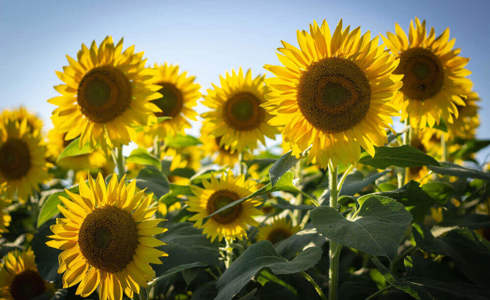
(208,38)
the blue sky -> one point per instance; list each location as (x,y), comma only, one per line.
(208,38)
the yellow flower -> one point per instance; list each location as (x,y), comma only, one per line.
(278,230)
(218,192)
(213,149)
(434,75)
(467,121)
(333,93)
(57,143)
(106,91)
(237,116)
(107,238)
(22,159)
(4,202)
(180,94)
(34,123)
(19,278)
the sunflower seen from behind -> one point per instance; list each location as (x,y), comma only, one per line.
(19,277)
(237,117)
(22,159)
(107,238)
(179,93)
(334,93)
(434,76)
(216,193)
(279,230)
(106,92)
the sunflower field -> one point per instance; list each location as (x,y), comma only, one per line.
(349,172)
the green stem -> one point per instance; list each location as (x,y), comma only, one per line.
(241,163)
(444,147)
(334,251)
(228,253)
(402,174)
(120,162)
(299,198)
(315,285)
(157,147)
(344,176)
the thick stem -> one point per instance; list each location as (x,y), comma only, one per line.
(444,147)
(334,251)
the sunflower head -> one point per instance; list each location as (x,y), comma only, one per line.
(467,121)
(278,230)
(19,277)
(34,123)
(434,76)
(237,116)
(106,92)
(216,193)
(334,93)
(22,158)
(107,238)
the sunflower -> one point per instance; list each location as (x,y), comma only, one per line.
(105,92)
(218,192)
(278,230)
(434,75)
(237,117)
(34,123)
(4,202)
(57,143)
(107,238)
(467,122)
(180,94)
(22,159)
(333,93)
(213,149)
(19,277)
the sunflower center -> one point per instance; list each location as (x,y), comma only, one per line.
(243,111)
(15,159)
(172,101)
(423,73)
(27,285)
(104,93)
(334,94)
(108,238)
(278,235)
(218,200)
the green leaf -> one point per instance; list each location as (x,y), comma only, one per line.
(73,149)
(439,191)
(403,156)
(49,208)
(281,166)
(376,228)
(469,147)
(181,141)
(153,180)
(46,257)
(354,183)
(257,257)
(451,169)
(187,248)
(142,157)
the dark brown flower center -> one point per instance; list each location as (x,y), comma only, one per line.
(172,101)
(104,93)
(218,200)
(334,94)
(243,112)
(278,235)
(423,73)
(108,238)
(27,285)
(15,159)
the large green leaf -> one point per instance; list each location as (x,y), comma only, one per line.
(281,166)
(46,257)
(376,228)
(257,257)
(403,156)
(153,180)
(74,149)
(142,157)
(49,208)
(447,168)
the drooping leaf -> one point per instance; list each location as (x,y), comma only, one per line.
(153,180)
(376,228)
(281,166)
(451,169)
(74,149)
(403,156)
